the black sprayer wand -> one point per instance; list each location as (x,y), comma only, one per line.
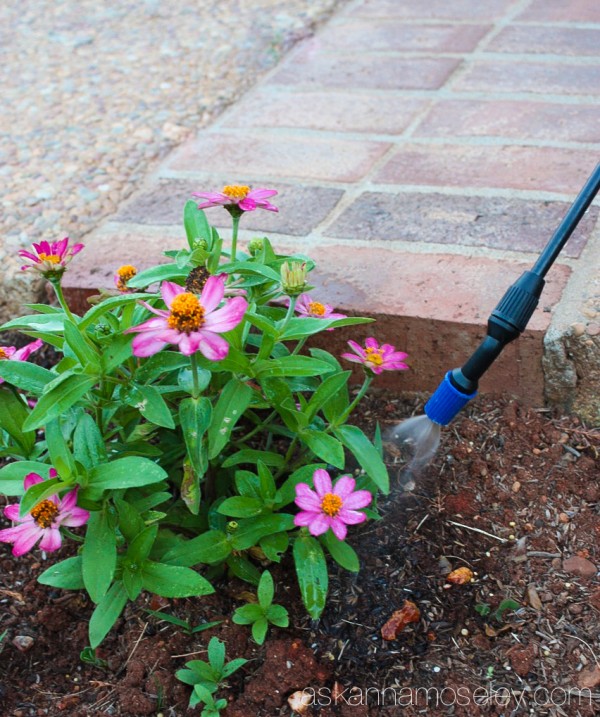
(506,322)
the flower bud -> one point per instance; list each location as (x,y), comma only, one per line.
(200,244)
(256,245)
(293,277)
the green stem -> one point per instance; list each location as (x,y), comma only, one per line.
(299,346)
(61,299)
(257,428)
(364,388)
(196,385)
(234,235)
(290,313)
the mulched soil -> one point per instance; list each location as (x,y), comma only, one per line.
(528,479)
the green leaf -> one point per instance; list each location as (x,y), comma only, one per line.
(13,417)
(88,357)
(47,323)
(331,386)
(311,569)
(152,406)
(366,454)
(287,493)
(26,376)
(325,447)
(92,316)
(107,613)
(341,552)
(58,400)
(195,223)
(248,484)
(99,554)
(249,455)
(274,545)
(190,491)
(210,547)
(291,366)
(116,353)
(88,443)
(300,327)
(241,507)
(259,630)
(278,615)
(216,654)
(266,589)
(251,530)
(195,416)
(267,482)
(130,521)
(174,581)
(163,272)
(129,472)
(38,492)
(243,569)
(58,450)
(141,545)
(66,574)
(251,267)
(232,666)
(233,401)
(247,614)
(132,580)
(13,475)
(160,364)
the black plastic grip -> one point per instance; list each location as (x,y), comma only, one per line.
(517,305)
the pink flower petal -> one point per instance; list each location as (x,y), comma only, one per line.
(339,528)
(32,479)
(304,518)
(370,343)
(228,317)
(247,204)
(68,501)
(28,536)
(77,516)
(352,357)
(156,323)
(322,482)
(147,344)
(319,525)
(344,487)
(307,499)
(358,499)
(76,248)
(24,353)
(259,194)
(169,290)
(12,512)
(358,350)
(51,540)
(59,247)
(351,517)
(212,293)
(213,346)
(189,343)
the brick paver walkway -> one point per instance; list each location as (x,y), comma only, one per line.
(424,152)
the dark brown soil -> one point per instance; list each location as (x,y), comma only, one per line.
(528,479)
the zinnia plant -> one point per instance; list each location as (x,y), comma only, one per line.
(191,424)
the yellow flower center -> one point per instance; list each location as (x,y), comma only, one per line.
(52,258)
(236,191)
(3,354)
(317,308)
(331,504)
(125,272)
(374,356)
(44,513)
(187,313)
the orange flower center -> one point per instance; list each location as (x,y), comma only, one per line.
(44,513)
(3,354)
(331,504)
(52,258)
(187,313)
(317,308)
(236,191)
(374,356)
(125,272)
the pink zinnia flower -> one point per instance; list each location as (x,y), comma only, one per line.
(330,507)
(122,276)
(193,323)
(10,353)
(377,358)
(43,521)
(307,307)
(239,197)
(50,257)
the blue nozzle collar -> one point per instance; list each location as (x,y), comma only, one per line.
(446,402)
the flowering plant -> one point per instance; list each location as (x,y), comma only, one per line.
(186,423)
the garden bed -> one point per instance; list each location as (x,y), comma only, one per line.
(528,479)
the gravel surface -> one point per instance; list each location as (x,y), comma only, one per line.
(95,93)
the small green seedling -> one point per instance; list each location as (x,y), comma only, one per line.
(88,655)
(484,609)
(206,677)
(2,636)
(260,614)
(183,624)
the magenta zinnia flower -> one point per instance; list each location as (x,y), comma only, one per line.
(240,197)
(193,323)
(330,507)
(10,353)
(307,307)
(50,257)
(377,358)
(43,521)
